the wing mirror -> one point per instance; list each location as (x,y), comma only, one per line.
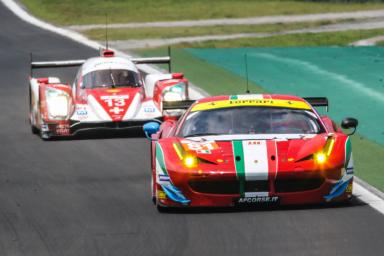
(151,128)
(349,122)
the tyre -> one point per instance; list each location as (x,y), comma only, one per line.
(34,129)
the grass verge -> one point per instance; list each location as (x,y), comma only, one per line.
(145,33)
(74,12)
(368,156)
(305,39)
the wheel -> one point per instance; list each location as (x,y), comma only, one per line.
(44,135)
(161,208)
(153,193)
(34,129)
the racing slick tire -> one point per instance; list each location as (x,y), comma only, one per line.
(34,129)
(161,209)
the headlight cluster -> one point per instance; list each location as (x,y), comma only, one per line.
(57,103)
(322,156)
(190,161)
(174,93)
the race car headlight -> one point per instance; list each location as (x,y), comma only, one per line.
(190,161)
(320,158)
(174,93)
(172,96)
(57,103)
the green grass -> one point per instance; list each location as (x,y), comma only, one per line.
(72,12)
(210,78)
(144,33)
(306,39)
(369,161)
(368,156)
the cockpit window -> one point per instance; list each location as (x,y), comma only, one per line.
(111,78)
(250,120)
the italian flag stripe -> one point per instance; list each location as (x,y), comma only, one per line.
(160,158)
(238,154)
(256,159)
(347,152)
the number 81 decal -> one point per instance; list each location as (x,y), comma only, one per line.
(199,147)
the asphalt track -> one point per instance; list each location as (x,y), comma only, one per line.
(90,196)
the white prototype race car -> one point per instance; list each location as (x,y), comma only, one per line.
(108,93)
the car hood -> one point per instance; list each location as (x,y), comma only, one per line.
(257,152)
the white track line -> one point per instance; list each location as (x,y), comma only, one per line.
(195,92)
(359,191)
(242,21)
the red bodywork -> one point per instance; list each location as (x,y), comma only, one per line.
(294,177)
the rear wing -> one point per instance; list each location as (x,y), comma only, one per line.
(171,105)
(318,102)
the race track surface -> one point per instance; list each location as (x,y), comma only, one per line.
(90,196)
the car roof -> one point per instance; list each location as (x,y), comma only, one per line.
(102,63)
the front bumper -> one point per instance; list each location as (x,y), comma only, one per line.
(71,128)
(308,189)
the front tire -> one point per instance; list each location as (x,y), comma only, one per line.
(34,129)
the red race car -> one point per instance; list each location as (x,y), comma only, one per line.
(250,149)
(108,92)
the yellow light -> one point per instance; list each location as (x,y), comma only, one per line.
(190,161)
(320,158)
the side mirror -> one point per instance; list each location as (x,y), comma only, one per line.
(151,128)
(349,122)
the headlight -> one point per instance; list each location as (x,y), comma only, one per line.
(174,93)
(190,161)
(320,158)
(172,96)
(57,103)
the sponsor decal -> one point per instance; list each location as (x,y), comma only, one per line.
(163,177)
(349,188)
(257,199)
(62,129)
(116,103)
(200,147)
(161,194)
(81,112)
(251,102)
(149,109)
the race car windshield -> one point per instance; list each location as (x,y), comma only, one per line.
(111,78)
(250,120)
